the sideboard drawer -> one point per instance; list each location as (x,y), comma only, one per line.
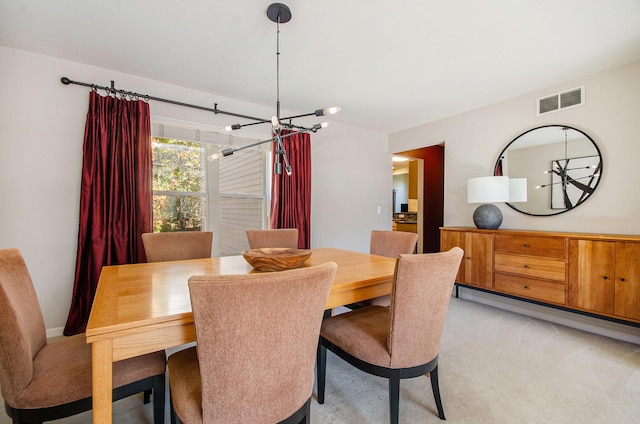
(543,290)
(548,247)
(531,266)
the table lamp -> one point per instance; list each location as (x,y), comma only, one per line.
(517,190)
(488,190)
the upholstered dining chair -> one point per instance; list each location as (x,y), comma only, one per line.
(282,237)
(257,335)
(401,341)
(390,244)
(177,245)
(44,381)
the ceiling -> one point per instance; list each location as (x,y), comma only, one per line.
(389,65)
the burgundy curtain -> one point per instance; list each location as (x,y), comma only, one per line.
(115,196)
(291,195)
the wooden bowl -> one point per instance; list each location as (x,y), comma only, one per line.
(275,258)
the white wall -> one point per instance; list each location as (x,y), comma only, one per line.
(473,141)
(41,136)
(352,177)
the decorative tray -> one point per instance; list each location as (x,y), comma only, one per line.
(276,258)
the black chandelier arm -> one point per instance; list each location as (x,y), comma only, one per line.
(298,128)
(257,122)
(280,151)
(317,112)
(566,180)
(231,150)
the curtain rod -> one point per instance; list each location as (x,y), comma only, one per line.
(112,89)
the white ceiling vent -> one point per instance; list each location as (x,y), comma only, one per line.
(563,100)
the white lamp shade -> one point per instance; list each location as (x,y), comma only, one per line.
(517,190)
(488,190)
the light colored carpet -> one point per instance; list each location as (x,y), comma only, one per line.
(495,367)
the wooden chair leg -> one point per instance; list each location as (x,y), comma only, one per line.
(321,369)
(394,399)
(436,392)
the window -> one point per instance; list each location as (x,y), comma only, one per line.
(179,185)
(190,193)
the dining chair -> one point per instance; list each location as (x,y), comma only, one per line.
(401,341)
(257,335)
(45,381)
(281,237)
(390,244)
(177,245)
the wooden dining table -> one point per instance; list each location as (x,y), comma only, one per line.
(142,308)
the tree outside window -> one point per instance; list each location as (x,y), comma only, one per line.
(179,185)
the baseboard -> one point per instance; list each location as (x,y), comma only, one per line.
(602,327)
(54,332)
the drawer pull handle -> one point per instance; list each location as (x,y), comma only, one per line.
(526,287)
(468,257)
(605,277)
(622,279)
(526,266)
(526,245)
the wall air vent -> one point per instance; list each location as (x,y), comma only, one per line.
(563,100)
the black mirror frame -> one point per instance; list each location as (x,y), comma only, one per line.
(502,153)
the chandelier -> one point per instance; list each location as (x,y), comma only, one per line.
(280,14)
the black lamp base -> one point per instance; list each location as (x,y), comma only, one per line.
(487,217)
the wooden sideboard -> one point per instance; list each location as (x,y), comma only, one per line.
(592,274)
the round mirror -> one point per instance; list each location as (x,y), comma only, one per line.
(562,166)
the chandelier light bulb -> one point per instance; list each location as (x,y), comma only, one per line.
(220,154)
(319,126)
(275,123)
(327,111)
(232,127)
(331,110)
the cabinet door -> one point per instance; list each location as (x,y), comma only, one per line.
(591,275)
(478,269)
(449,239)
(627,280)
(413,180)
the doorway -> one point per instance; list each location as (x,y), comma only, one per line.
(430,195)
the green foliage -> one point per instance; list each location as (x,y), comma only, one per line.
(178,175)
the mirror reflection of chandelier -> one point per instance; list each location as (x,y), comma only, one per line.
(280,14)
(575,177)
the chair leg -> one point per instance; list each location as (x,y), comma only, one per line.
(394,399)
(158,398)
(172,412)
(321,370)
(147,396)
(436,392)
(307,414)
